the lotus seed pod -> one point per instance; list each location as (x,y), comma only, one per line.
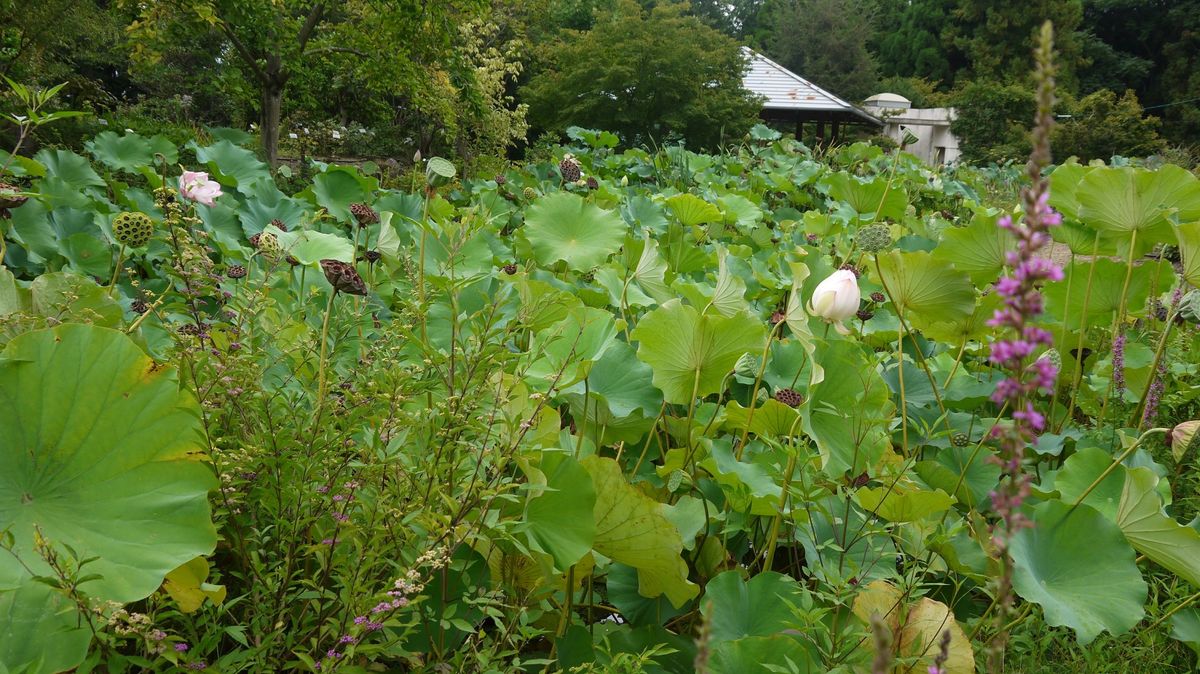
(570,169)
(789,397)
(268,244)
(960,440)
(132,229)
(9,197)
(874,238)
(343,277)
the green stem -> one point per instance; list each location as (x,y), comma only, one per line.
(762,369)
(1158,354)
(116,271)
(1078,374)
(324,353)
(1178,607)
(1119,320)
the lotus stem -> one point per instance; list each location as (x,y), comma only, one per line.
(116,271)
(324,355)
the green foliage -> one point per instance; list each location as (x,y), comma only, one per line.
(993,120)
(1102,125)
(826,42)
(594,417)
(648,75)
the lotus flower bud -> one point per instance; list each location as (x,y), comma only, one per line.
(836,299)
(1182,438)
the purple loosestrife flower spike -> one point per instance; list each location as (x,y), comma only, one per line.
(1118,364)
(1014,350)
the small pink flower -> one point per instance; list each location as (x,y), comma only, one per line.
(196,186)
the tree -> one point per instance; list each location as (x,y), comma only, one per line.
(825,41)
(992,122)
(272,39)
(645,75)
(909,40)
(997,36)
(1102,125)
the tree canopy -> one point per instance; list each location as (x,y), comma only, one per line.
(647,75)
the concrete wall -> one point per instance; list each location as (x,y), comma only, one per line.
(935,144)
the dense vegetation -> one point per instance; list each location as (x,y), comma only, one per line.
(677,393)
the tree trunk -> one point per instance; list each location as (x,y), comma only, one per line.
(272,105)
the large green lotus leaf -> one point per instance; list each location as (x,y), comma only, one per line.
(1127,200)
(1064,186)
(72,170)
(1185,626)
(848,414)
(922,285)
(562,226)
(961,470)
(619,378)
(40,631)
(559,519)
(1078,473)
(1079,568)
(75,298)
(130,152)
(761,607)
(868,197)
(614,403)
(772,419)
(1189,248)
(337,188)
(570,347)
(10,297)
(231,165)
(310,247)
(642,212)
(749,487)
(1152,532)
(651,272)
(729,295)
(101,452)
(622,584)
(690,353)
(691,210)
(264,203)
(903,505)
(972,326)
(631,529)
(1107,282)
(746,213)
(779,653)
(979,249)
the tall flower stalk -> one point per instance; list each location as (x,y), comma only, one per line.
(1014,352)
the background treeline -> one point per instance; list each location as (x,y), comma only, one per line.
(488,78)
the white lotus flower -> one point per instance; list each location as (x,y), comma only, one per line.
(836,299)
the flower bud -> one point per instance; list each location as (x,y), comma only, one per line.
(1183,438)
(836,298)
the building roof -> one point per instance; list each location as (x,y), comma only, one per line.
(888,101)
(792,96)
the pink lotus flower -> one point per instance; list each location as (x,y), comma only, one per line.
(197,187)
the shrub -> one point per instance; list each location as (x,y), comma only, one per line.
(1101,125)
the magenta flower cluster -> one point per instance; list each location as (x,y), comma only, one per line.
(1028,377)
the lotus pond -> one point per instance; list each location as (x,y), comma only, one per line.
(616,411)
